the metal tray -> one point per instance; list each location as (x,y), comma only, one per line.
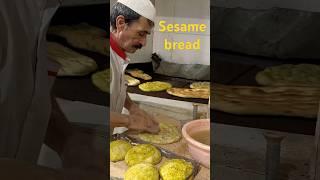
(164,152)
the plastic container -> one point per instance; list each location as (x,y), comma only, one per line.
(199,151)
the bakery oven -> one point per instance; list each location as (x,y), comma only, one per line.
(74,18)
(266,73)
(253,52)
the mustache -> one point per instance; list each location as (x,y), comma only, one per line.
(139,46)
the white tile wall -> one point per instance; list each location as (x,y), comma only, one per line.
(201,56)
(183,12)
(165,7)
(158,44)
(192,9)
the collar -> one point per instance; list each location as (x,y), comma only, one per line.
(116,48)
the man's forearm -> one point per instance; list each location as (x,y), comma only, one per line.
(128,103)
(118,120)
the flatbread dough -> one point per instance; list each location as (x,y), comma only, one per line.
(290,75)
(119,149)
(176,169)
(142,171)
(132,81)
(154,86)
(189,93)
(168,134)
(83,36)
(139,74)
(250,100)
(72,63)
(200,85)
(102,80)
(143,153)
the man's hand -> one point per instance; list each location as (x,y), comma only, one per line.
(141,121)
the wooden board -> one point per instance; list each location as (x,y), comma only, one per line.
(118,169)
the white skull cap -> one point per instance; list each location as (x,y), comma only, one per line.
(143,7)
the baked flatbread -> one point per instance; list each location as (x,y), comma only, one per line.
(290,75)
(200,85)
(119,149)
(72,63)
(102,80)
(83,36)
(139,74)
(154,86)
(283,101)
(168,134)
(143,153)
(132,81)
(176,169)
(142,171)
(189,93)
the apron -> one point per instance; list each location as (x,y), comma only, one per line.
(118,86)
(24,87)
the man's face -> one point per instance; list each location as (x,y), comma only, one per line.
(134,36)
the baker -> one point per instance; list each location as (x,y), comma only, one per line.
(131,21)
